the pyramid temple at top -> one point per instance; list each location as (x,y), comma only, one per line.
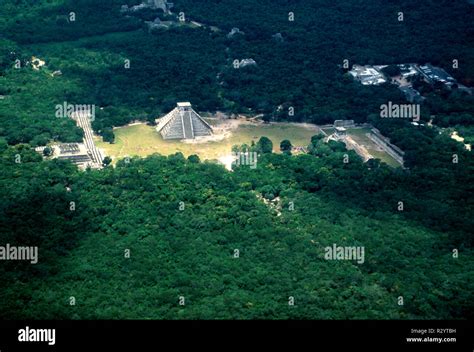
(183,123)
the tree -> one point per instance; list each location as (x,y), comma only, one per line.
(265,145)
(194,159)
(316,141)
(47,151)
(108,135)
(285,146)
(150,119)
(266,118)
(107,160)
(316,138)
(391,70)
(3,144)
(268,192)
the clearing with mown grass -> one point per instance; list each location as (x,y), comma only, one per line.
(142,140)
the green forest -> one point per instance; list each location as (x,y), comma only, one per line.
(182,220)
(131,241)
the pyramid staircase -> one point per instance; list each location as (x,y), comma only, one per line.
(183,123)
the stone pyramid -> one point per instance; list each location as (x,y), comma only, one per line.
(183,123)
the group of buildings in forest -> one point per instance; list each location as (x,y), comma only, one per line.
(84,154)
(375,75)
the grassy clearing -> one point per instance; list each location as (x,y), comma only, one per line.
(359,135)
(142,140)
